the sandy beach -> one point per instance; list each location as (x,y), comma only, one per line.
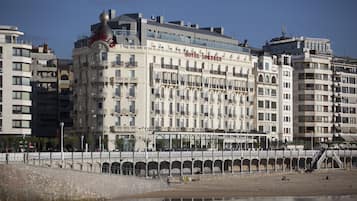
(324,182)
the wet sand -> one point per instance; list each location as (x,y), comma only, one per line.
(323,182)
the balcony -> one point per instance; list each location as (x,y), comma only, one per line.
(240,75)
(192,69)
(131,64)
(216,72)
(117,64)
(169,66)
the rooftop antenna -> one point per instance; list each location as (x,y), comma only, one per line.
(283,31)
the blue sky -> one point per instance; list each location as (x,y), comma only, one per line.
(60,23)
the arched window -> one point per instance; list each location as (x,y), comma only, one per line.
(267,79)
(260,79)
(273,80)
(64,77)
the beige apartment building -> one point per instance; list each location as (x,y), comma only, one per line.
(15,88)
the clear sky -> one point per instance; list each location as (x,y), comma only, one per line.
(60,23)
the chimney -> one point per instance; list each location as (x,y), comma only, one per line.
(219,30)
(45,48)
(208,29)
(195,26)
(160,19)
(111,13)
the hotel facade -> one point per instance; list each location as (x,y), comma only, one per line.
(164,86)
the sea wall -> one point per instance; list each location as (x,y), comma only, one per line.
(25,182)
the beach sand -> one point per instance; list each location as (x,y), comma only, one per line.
(323,182)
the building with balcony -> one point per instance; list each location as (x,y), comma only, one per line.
(344,97)
(313,86)
(274,97)
(15,88)
(163,85)
(44,92)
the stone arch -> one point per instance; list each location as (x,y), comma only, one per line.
(287,164)
(207,166)
(309,162)
(140,169)
(237,165)
(246,165)
(263,164)
(295,164)
(271,164)
(127,168)
(152,168)
(302,163)
(227,166)
(217,167)
(354,162)
(197,167)
(186,167)
(255,165)
(176,167)
(105,167)
(115,168)
(164,168)
(279,164)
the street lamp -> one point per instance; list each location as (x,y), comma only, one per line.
(62,156)
(312,140)
(82,140)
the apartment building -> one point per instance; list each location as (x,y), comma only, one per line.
(163,85)
(44,92)
(345,97)
(274,97)
(15,88)
(313,89)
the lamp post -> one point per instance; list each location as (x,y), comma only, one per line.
(62,156)
(312,141)
(82,140)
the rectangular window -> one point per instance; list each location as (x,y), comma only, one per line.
(21,95)
(17,80)
(260,104)
(118,59)
(132,59)
(21,109)
(118,121)
(273,105)
(17,66)
(21,124)
(132,107)
(273,117)
(132,121)
(20,52)
(267,104)
(104,56)
(260,116)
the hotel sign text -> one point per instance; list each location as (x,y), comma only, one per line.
(202,56)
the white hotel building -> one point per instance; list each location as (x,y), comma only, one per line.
(15,89)
(163,86)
